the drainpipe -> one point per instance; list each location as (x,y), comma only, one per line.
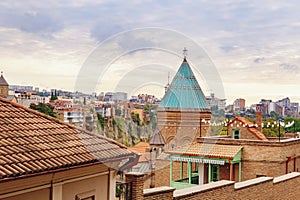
(230,170)
(108,185)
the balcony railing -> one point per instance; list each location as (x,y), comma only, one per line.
(124,191)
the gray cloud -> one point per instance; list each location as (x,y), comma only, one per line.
(289,67)
(259,60)
(235,34)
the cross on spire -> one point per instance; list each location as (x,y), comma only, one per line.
(184,52)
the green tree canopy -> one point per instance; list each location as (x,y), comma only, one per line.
(43,108)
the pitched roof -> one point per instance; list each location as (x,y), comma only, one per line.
(184,91)
(140,147)
(3,81)
(211,150)
(33,143)
(157,139)
(250,127)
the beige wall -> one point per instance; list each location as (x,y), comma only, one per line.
(43,194)
(85,181)
(4,91)
(93,186)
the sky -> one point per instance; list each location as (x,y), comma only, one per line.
(253,47)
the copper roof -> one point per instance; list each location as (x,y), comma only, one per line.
(31,143)
(211,150)
(184,91)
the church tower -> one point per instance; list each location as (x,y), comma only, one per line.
(3,87)
(183,111)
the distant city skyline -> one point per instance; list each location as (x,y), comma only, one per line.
(254,45)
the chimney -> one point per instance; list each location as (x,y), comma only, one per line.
(258,120)
(70,120)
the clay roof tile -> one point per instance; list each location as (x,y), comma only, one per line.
(31,142)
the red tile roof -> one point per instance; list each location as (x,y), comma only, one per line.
(140,147)
(250,127)
(32,143)
(213,150)
(209,150)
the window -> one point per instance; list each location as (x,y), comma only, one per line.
(86,196)
(215,172)
(236,134)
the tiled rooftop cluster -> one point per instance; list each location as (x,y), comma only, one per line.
(209,150)
(31,142)
(213,150)
(252,129)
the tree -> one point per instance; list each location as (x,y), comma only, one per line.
(43,108)
(118,112)
(274,115)
(271,128)
(295,127)
(53,96)
(136,118)
(101,120)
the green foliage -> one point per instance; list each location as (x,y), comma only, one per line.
(136,118)
(91,110)
(224,131)
(118,112)
(274,115)
(101,120)
(53,96)
(294,128)
(270,131)
(43,108)
(218,113)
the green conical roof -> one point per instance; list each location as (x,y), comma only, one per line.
(184,91)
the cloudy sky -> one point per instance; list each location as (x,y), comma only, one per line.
(253,45)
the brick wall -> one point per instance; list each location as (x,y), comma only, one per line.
(264,158)
(137,180)
(159,193)
(162,172)
(283,187)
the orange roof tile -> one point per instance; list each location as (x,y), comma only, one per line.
(31,142)
(140,147)
(259,135)
(210,150)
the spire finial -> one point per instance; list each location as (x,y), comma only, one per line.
(1,73)
(184,52)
